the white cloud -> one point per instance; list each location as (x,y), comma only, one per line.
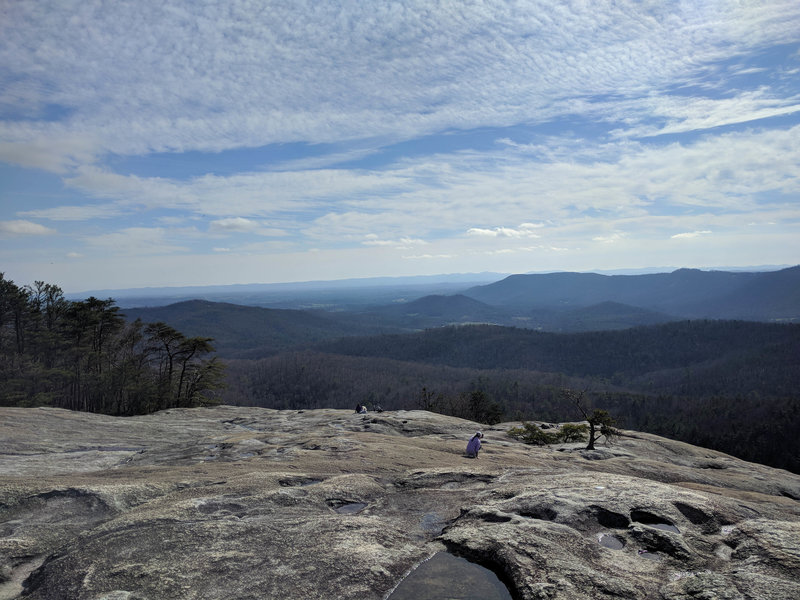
(526,230)
(19,228)
(254,193)
(609,239)
(429,256)
(233,224)
(323,161)
(690,234)
(404,243)
(54,150)
(370,226)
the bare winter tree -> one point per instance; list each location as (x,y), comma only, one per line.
(601,423)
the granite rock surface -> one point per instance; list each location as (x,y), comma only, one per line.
(239,503)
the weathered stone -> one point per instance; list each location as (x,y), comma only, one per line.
(242,503)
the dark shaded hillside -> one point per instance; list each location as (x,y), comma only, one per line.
(664,290)
(679,357)
(248,331)
(687,293)
(598,317)
(773,296)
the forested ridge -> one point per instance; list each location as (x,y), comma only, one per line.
(83,355)
(696,357)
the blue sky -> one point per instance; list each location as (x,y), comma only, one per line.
(182,143)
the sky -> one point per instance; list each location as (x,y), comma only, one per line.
(167,143)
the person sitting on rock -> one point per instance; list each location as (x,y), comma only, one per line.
(474,445)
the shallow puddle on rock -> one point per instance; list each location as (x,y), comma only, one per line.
(664,527)
(432,523)
(351,509)
(448,577)
(611,541)
(652,520)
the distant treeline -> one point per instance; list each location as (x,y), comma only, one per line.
(85,356)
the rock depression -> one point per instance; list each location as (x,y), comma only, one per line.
(235,503)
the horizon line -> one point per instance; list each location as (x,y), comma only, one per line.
(409,279)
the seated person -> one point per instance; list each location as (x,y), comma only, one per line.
(474,445)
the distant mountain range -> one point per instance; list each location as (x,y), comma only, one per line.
(556,302)
(684,293)
(572,302)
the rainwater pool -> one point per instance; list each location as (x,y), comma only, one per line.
(445,576)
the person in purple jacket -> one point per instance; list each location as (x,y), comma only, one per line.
(474,445)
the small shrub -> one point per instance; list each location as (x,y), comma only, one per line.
(570,432)
(530,433)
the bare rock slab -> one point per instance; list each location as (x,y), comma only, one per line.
(241,503)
